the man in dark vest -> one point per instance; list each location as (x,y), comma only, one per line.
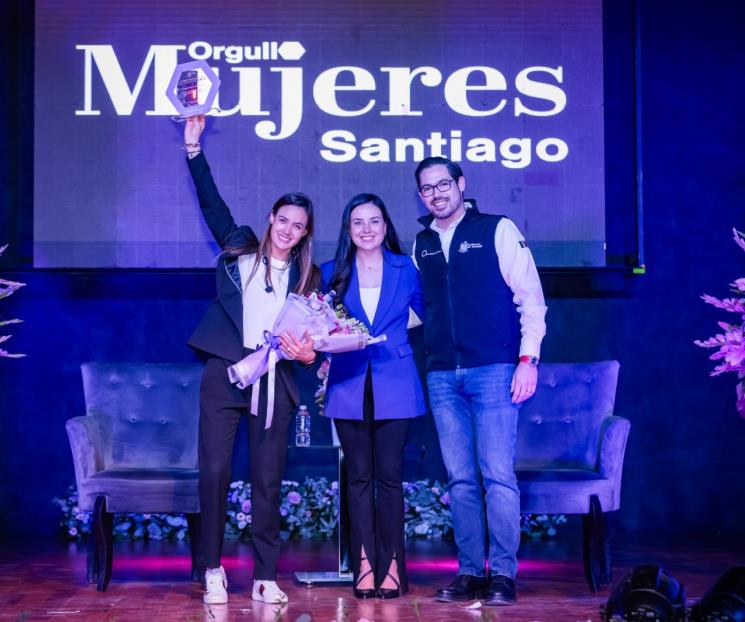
(484,325)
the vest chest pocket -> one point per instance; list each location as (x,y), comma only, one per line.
(405,350)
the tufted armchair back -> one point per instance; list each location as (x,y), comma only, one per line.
(561,426)
(147,414)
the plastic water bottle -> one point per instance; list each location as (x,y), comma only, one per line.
(302,427)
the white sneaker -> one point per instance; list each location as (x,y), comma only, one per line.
(216,586)
(268,592)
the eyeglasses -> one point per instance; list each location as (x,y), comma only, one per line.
(443,186)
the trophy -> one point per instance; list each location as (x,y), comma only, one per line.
(192,88)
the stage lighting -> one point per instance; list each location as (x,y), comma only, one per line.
(646,594)
(725,601)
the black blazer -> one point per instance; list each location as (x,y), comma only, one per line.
(220,332)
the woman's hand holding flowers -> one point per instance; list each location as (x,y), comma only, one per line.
(298,349)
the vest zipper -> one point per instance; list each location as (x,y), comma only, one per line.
(452,316)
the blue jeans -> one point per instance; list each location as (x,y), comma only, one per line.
(477,426)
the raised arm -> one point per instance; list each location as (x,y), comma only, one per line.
(215,211)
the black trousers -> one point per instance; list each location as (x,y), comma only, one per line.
(221,406)
(373,451)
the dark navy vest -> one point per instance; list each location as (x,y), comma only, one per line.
(471,319)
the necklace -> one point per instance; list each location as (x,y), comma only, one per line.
(277,265)
(372,266)
(270,266)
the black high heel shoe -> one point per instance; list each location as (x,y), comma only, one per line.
(366,593)
(386,592)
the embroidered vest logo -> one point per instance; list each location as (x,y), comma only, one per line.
(466,246)
(426,253)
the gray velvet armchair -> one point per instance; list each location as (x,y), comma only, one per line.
(135,450)
(570,451)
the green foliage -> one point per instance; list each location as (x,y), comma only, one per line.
(427,510)
(537,526)
(308,510)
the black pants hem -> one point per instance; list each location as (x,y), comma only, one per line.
(373,450)
(221,406)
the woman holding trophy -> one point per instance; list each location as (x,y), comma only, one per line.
(253,279)
(373,393)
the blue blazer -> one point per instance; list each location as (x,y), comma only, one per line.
(397,391)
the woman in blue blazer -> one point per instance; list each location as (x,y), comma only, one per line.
(373,393)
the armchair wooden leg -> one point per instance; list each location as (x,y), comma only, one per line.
(103,529)
(594,544)
(606,573)
(93,566)
(195,538)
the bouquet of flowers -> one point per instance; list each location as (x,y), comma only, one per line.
(348,333)
(730,344)
(331,331)
(319,397)
(345,325)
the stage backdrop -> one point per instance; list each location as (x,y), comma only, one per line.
(327,97)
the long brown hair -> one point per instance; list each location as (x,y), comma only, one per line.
(301,254)
(346,250)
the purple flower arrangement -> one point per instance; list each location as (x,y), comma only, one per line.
(308,510)
(730,343)
(427,514)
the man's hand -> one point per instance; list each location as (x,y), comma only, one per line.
(524,381)
(298,349)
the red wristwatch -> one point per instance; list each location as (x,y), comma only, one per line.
(530,360)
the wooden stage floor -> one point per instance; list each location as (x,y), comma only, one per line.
(46,581)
